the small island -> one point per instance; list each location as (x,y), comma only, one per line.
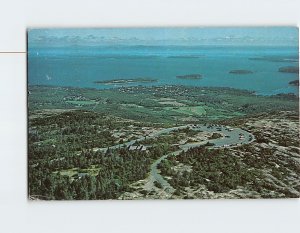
(240,72)
(295,82)
(189,76)
(289,69)
(126,81)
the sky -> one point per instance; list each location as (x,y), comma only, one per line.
(273,36)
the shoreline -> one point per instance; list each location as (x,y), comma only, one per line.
(166,85)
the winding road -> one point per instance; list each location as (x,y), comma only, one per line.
(232,137)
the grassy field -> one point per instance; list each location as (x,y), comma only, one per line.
(191,111)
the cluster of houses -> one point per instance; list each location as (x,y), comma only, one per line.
(175,90)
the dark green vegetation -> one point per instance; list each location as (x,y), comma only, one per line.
(216,169)
(76,130)
(127,81)
(267,168)
(88,175)
(67,126)
(240,72)
(295,82)
(189,76)
(289,69)
(221,171)
(62,164)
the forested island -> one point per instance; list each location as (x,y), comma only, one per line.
(295,82)
(289,69)
(240,72)
(189,76)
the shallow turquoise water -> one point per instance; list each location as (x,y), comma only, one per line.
(81,66)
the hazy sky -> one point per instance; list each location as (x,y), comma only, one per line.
(165,36)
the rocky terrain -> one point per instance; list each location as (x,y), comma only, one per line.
(269,167)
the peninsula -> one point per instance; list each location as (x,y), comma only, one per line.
(126,81)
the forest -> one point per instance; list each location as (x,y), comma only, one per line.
(223,170)
(115,171)
(71,133)
(63,164)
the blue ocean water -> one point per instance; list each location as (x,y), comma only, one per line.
(82,66)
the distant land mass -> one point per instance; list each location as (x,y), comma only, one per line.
(295,82)
(184,56)
(276,59)
(240,72)
(189,76)
(289,69)
(127,81)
